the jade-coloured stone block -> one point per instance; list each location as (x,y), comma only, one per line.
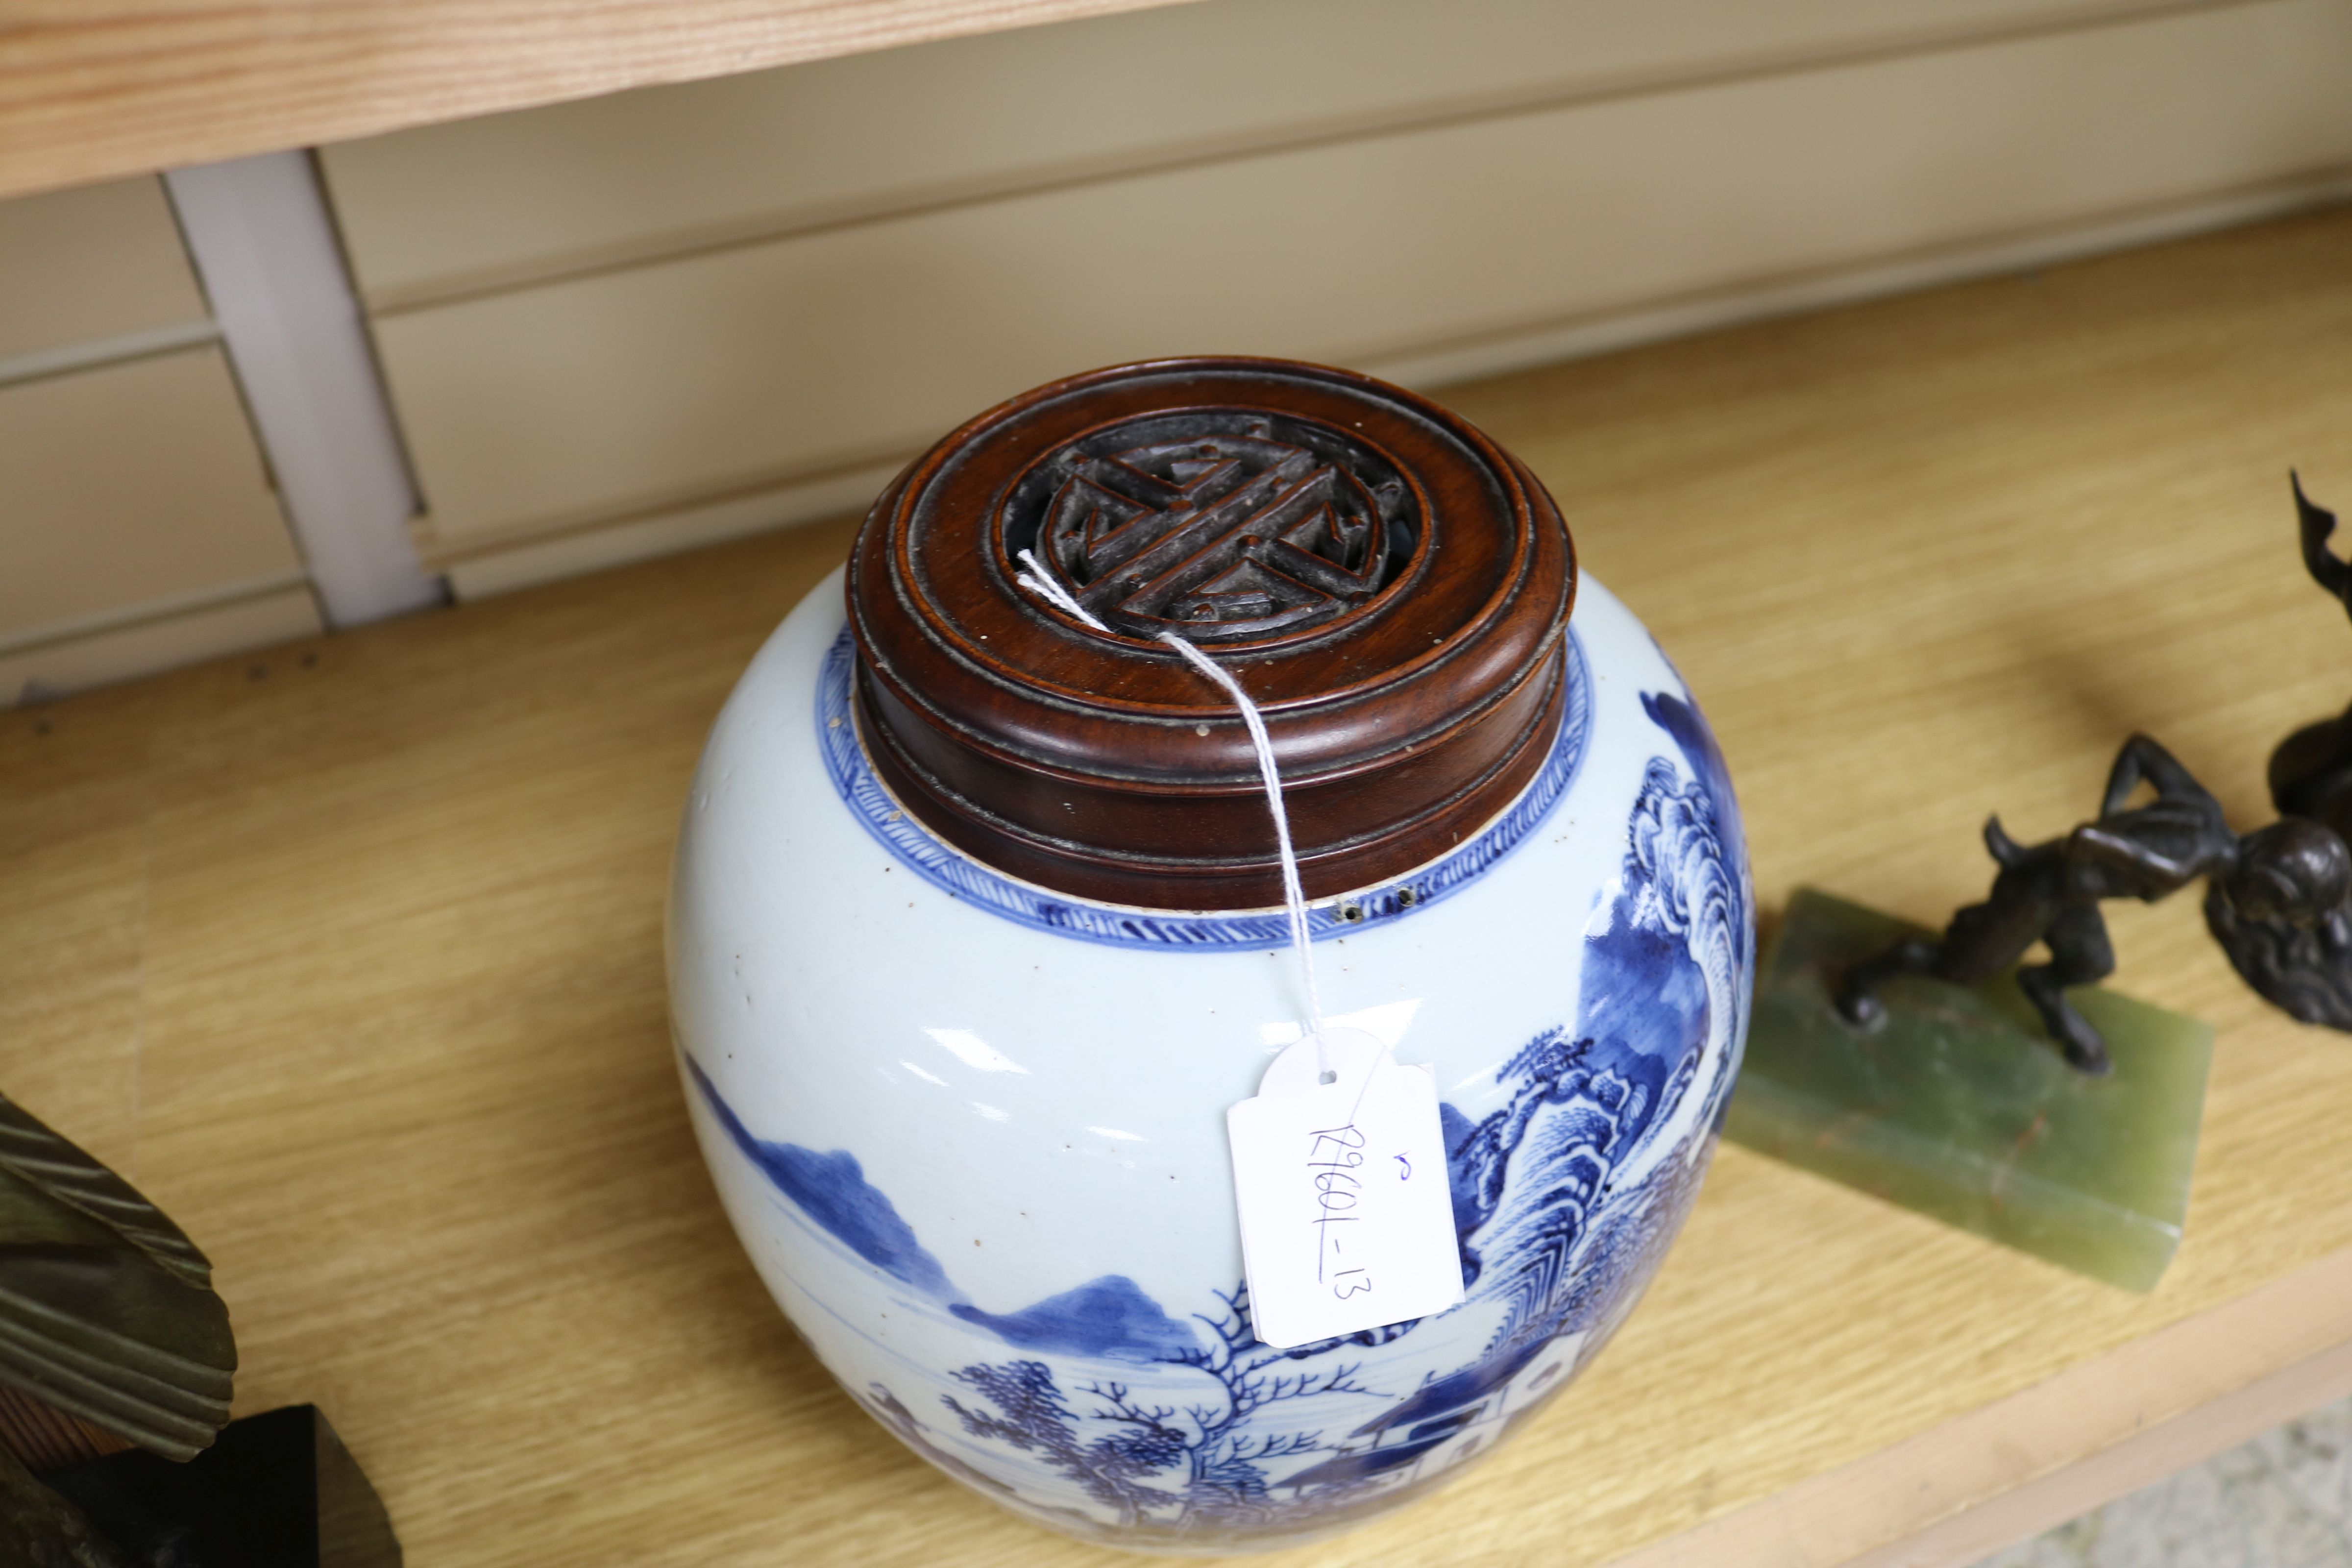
(1960,1107)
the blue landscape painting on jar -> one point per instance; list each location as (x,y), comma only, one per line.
(1108,1412)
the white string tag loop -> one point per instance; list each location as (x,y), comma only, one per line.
(1339,1175)
(1040,583)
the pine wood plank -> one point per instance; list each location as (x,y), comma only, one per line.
(440,212)
(94,89)
(360,962)
(555,409)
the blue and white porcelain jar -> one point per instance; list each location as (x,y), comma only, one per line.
(975,935)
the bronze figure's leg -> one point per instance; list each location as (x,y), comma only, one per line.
(2080,953)
(1987,938)
(1856,1001)
(1981,940)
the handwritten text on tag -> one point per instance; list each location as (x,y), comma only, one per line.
(1347,1219)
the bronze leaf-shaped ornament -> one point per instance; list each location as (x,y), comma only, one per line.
(106,1310)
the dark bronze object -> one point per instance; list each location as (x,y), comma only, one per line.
(2304,971)
(2279,901)
(110,1334)
(1389,585)
(107,1311)
(41,1529)
(107,1324)
(2311,771)
(2294,875)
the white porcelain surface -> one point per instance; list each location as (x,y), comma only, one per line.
(973,1136)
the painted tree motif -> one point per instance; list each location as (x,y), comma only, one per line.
(1215,1465)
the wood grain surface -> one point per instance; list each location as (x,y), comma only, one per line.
(94,89)
(350,956)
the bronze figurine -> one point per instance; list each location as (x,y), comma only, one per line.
(2311,771)
(2304,971)
(2278,901)
(2293,876)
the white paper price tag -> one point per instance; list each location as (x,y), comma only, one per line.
(1346,1219)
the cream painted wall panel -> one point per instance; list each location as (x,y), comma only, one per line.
(624,392)
(101,262)
(130,485)
(486,202)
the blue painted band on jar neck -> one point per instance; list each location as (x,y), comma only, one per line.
(960,876)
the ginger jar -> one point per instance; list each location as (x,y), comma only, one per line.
(977,930)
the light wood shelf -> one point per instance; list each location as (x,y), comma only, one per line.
(92,90)
(351,955)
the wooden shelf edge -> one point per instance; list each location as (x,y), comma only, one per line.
(98,91)
(2043,1455)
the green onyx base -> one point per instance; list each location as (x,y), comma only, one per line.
(1960,1108)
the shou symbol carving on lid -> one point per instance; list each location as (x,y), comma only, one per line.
(1226,524)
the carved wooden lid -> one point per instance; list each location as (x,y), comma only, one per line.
(1388,585)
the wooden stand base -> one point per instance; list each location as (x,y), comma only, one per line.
(276,1491)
